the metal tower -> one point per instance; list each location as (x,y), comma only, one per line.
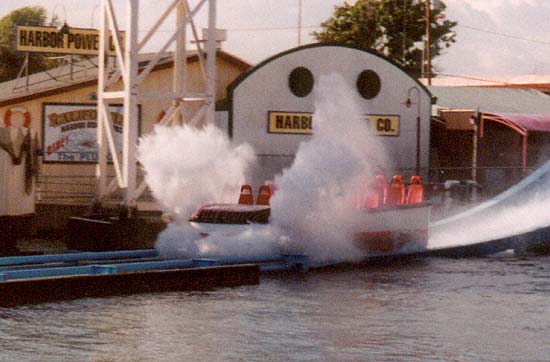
(126,70)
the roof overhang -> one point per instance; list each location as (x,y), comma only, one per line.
(521,123)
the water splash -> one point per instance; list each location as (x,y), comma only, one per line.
(314,202)
(313,210)
(186,167)
(521,209)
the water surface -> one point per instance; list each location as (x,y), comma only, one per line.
(482,309)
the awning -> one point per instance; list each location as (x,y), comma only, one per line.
(522,123)
(527,122)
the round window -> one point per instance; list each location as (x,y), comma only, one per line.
(300,81)
(368,84)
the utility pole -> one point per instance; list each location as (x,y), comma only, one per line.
(428,43)
(404,45)
(299,22)
(180,63)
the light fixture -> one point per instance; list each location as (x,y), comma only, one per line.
(64,29)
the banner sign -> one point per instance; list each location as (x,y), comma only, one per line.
(302,123)
(49,39)
(70,131)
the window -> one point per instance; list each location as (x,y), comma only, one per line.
(368,84)
(300,81)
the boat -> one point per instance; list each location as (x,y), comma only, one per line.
(393,217)
(394,229)
(232,219)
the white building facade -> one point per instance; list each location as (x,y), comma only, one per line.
(271,105)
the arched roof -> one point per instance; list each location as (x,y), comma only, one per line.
(250,71)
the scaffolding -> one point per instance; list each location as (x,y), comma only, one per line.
(127,62)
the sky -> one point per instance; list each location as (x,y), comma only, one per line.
(495,38)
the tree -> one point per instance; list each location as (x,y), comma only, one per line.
(11,61)
(390,27)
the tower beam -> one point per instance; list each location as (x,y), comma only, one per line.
(124,161)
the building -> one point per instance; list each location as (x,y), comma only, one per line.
(528,81)
(251,102)
(272,105)
(250,99)
(60,101)
(494,136)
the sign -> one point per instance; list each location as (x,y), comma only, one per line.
(48,39)
(70,131)
(302,123)
(289,122)
(383,125)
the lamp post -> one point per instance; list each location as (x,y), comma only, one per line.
(64,29)
(408,104)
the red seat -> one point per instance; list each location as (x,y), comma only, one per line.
(246,196)
(397,190)
(416,191)
(376,193)
(272,188)
(264,194)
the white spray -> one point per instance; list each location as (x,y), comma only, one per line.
(186,167)
(314,202)
(519,210)
(313,210)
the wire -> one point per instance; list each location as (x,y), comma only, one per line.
(510,36)
(273,28)
(494,81)
(250,29)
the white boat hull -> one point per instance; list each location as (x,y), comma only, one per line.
(396,229)
(225,230)
(380,231)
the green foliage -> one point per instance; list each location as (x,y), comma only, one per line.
(390,27)
(11,60)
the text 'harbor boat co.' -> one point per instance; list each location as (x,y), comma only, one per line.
(303,123)
(44,39)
